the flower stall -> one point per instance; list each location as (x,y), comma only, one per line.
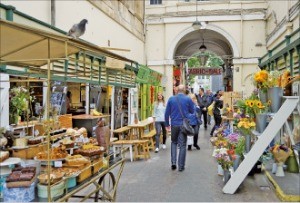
(252,131)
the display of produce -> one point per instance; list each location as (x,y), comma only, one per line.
(89,150)
(67,171)
(3,156)
(21,177)
(54,177)
(34,141)
(56,153)
(76,160)
(68,143)
(21,142)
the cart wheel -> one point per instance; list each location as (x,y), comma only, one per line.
(108,182)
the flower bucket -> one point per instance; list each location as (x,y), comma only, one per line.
(227,176)
(280,172)
(247,143)
(236,162)
(275,96)
(261,122)
(263,96)
(220,170)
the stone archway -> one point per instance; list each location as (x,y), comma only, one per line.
(230,40)
(217,40)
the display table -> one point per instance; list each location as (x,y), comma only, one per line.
(140,128)
(87,121)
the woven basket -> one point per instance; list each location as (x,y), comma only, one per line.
(65,121)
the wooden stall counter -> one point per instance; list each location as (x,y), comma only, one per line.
(87,121)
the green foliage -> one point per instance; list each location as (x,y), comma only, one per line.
(213,61)
(239,148)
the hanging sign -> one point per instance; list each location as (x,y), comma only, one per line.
(205,71)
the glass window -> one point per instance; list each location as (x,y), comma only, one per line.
(155,2)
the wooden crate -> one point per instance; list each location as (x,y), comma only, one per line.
(65,121)
(85,173)
(97,165)
(29,153)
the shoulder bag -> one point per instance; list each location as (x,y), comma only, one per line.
(186,127)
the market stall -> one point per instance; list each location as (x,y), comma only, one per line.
(69,161)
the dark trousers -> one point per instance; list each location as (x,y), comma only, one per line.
(178,140)
(160,125)
(196,128)
(204,113)
(218,121)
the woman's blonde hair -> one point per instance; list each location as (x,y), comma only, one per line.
(193,97)
(163,98)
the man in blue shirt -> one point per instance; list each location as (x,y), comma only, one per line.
(177,137)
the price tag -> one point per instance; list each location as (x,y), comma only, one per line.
(71,151)
(57,164)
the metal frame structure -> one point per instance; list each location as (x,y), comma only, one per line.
(40,54)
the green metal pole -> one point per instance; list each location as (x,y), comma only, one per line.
(291,52)
(10,13)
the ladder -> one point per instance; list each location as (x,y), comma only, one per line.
(279,119)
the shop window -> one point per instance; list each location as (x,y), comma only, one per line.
(155,2)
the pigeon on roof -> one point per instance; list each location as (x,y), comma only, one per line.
(78,29)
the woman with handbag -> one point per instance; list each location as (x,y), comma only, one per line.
(194,123)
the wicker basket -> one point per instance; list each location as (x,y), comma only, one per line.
(65,121)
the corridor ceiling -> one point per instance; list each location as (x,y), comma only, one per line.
(214,42)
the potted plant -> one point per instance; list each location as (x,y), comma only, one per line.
(18,103)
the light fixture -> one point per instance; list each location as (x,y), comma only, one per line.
(203,57)
(202,48)
(196,25)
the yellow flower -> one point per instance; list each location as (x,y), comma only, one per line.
(252,124)
(258,103)
(247,102)
(251,103)
(269,102)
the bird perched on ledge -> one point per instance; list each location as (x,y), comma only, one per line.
(78,29)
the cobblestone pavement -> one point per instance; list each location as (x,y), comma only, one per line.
(154,181)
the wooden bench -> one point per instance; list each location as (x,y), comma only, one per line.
(150,136)
(120,131)
(141,149)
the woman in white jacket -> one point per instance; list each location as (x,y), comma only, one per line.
(159,116)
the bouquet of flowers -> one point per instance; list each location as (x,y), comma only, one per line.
(246,125)
(280,153)
(260,79)
(223,158)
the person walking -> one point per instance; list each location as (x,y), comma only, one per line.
(217,113)
(159,116)
(194,122)
(210,96)
(203,102)
(175,105)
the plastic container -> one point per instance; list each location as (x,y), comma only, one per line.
(56,190)
(71,182)
(23,194)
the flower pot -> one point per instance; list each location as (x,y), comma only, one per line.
(247,143)
(261,122)
(263,96)
(220,170)
(275,96)
(292,165)
(279,171)
(227,175)
(236,162)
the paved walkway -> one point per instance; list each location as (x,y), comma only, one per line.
(153,180)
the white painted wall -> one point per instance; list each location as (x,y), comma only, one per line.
(100,27)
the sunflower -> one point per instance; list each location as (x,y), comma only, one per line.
(247,102)
(259,104)
(269,102)
(251,103)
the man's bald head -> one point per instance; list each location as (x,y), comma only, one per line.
(181,88)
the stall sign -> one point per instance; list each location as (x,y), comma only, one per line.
(143,75)
(205,71)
